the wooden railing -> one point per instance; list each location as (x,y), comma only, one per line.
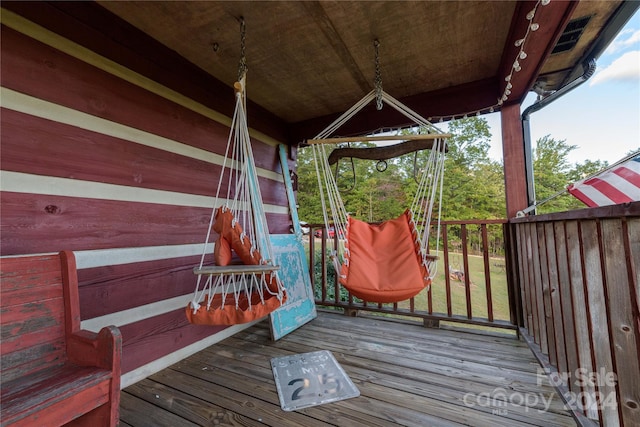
(471,286)
(579,278)
(571,282)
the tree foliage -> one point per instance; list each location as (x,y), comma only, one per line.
(553,173)
(473,182)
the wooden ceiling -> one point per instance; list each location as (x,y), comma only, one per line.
(310,60)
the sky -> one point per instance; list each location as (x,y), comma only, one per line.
(602,116)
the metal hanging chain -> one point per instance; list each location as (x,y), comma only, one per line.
(378,79)
(242,67)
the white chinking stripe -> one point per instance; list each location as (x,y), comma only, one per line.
(41,34)
(26,104)
(136,314)
(118,256)
(38,184)
(164,362)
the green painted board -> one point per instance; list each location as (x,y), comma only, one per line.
(300,306)
(294,269)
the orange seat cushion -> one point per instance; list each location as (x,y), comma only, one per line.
(250,306)
(383,263)
(229,314)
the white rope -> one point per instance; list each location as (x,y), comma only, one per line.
(409,113)
(235,284)
(430,185)
(330,130)
(328,185)
(247,209)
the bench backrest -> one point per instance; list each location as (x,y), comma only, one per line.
(39,307)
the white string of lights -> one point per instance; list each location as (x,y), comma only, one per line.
(522,55)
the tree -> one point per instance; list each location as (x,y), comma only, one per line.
(473,183)
(309,206)
(553,173)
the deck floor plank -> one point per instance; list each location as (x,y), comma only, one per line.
(185,405)
(407,375)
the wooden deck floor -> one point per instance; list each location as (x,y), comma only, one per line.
(407,375)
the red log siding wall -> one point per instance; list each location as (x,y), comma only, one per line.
(103,161)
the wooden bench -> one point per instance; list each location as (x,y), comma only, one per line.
(52,371)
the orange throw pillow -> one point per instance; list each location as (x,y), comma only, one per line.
(234,237)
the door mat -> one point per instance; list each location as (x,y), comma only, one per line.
(311,379)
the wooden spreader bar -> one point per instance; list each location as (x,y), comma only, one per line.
(216,270)
(376,138)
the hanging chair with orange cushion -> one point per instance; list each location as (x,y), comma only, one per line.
(232,292)
(387,262)
(374,250)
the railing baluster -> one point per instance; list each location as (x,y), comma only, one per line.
(323,257)
(336,276)
(447,279)
(312,264)
(487,271)
(465,260)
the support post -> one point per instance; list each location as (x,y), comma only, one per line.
(515,181)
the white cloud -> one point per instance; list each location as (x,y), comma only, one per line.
(625,69)
(628,38)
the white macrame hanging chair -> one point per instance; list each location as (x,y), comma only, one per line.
(229,292)
(387,262)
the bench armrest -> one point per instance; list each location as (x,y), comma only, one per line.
(102,349)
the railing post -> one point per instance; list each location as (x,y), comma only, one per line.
(513,276)
(431,323)
(350,312)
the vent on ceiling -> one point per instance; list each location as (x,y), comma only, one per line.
(571,34)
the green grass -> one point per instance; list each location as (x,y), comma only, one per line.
(478,286)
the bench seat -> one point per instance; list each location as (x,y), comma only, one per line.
(69,386)
(53,372)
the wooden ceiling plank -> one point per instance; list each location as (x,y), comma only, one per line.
(309,60)
(317,12)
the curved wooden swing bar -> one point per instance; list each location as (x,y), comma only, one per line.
(386,152)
